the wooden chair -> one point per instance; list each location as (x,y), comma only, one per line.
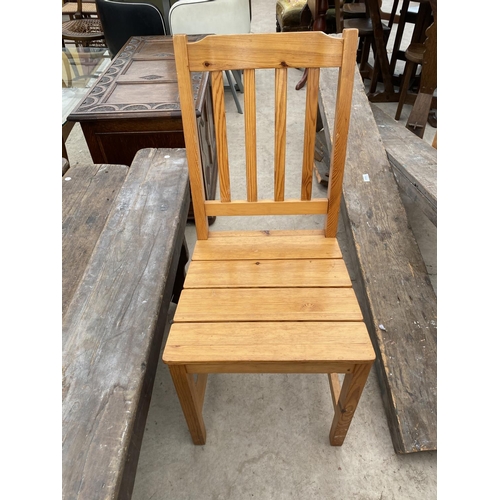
(81,30)
(74,11)
(267,301)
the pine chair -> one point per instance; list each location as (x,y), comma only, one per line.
(267,301)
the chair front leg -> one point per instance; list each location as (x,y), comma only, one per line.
(190,395)
(345,405)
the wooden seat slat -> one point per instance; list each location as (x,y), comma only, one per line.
(263,342)
(268,247)
(268,273)
(267,304)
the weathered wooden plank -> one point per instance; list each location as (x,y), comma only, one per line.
(113,328)
(389,276)
(88,194)
(414,162)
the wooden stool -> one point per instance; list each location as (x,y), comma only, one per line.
(267,301)
(424,54)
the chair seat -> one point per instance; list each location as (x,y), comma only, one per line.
(415,52)
(354,9)
(364,26)
(268,298)
(83,30)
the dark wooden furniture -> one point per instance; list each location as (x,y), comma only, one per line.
(372,32)
(390,277)
(82,66)
(82,29)
(421,19)
(419,114)
(135,105)
(123,254)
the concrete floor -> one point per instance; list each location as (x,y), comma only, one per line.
(267,435)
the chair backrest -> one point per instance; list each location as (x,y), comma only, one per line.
(250,52)
(196,17)
(121,20)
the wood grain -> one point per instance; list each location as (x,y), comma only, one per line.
(280,96)
(113,329)
(250,133)
(309,132)
(267,207)
(88,195)
(349,396)
(413,161)
(304,273)
(221,135)
(262,342)
(340,130)
(268,304)
(263,50)
(191,137)
(267,247)
(391,278)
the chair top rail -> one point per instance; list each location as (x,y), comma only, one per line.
(265,51)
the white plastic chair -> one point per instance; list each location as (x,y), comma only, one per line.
(218,17)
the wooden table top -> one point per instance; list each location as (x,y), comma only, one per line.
(123,230)
(140,83)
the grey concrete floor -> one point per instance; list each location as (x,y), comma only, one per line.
(267,435)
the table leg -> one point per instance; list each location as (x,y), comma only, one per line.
(181,272)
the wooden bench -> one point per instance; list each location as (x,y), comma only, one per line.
(414,163)
(389,277)
(123,254)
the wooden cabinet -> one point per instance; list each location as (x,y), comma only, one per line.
(135,105)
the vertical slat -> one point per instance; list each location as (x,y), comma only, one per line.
(221,135)
(280,133)
(309,132)
(340,130)
(190,129)
(250,133)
